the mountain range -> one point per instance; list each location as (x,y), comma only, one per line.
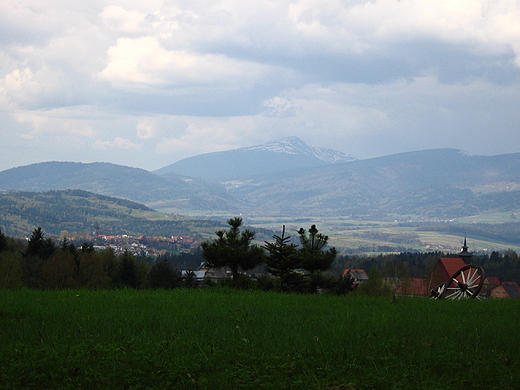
(289,178)
(286,154)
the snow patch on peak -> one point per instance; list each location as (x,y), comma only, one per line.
(289,145)
(294,145)
(464,153)
(333,156)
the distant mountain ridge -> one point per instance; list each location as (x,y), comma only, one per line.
(285,154)
(437,183)
(431,183)
(119,181)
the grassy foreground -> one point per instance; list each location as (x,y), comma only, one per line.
(225,339)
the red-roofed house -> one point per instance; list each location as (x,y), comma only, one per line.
(506,290)
(490,283)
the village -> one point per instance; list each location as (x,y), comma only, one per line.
(451,277)
(144,246)
(446,268)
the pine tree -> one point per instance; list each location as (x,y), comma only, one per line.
(128,270)
(3,241)
(40,246)
(233,249)
(313,256)
(282,260)
(164,275)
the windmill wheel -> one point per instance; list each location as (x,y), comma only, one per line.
(465,283)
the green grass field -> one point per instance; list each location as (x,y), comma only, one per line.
(227,339)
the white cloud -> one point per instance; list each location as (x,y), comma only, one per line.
(123,20)
(18,86)
(116,143)
(102,145)
(144,61)
(123,143)
(147,128)
(52,122)
(279,107)
(202,136)
(172,78)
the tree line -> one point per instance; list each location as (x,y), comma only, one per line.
(42,263)
(280,264)
(292,267)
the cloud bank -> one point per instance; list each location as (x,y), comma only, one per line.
(147,83)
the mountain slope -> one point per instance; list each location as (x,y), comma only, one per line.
(288,153)
(81,211)
(118,181)
(442,182)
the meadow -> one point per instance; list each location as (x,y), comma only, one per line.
(228,339)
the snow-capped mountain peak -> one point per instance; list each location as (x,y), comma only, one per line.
(294,145)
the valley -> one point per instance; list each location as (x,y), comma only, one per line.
(423,200)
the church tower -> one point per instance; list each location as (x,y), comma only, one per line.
(464,254)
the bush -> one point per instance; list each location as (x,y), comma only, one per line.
(374,286)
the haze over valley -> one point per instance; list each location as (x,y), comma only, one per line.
(288,180)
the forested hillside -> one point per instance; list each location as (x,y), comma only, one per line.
(81,212)
(169,191)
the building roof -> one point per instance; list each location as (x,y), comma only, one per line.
(451,264)
(514,284)
(512,289)
(492,281)
(357,274)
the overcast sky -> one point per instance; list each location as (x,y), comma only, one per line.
(147,83)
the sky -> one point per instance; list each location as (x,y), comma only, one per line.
(147,83)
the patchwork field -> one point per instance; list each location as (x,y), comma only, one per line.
(228,339)
(348,234)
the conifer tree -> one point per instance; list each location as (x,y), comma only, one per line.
(282,260)
(40,246)
(3,241)
(313,255)
(234,249)
(128,270)
(164,275)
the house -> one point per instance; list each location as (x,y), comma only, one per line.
(204,273)
(358,275)
(490,283)
(506,290)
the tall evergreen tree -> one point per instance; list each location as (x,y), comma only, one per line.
(164,275)
(234,249)
(3,241)
(39,250)
(282,260)
(40,246)
(313,255)
(128,270)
